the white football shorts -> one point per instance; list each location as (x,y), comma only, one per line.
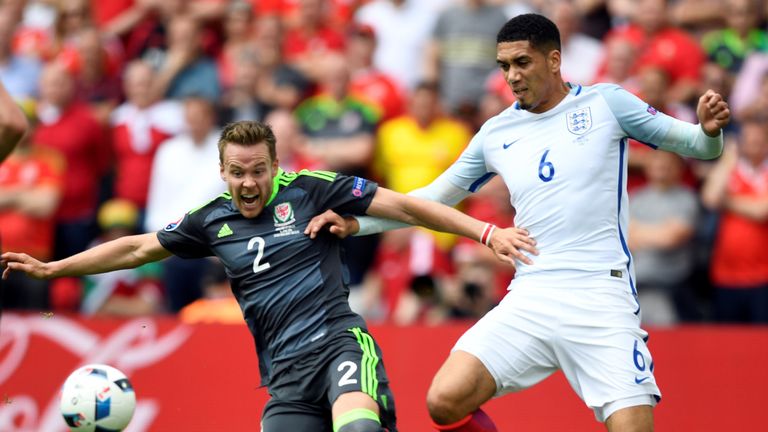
(590,330)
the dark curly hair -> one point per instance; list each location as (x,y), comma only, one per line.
(542,33)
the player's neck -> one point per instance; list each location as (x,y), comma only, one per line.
(559,93)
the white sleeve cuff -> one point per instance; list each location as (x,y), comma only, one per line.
(440,190)
(689,139)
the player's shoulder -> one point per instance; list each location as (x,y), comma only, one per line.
(606,90)
(223,200)
(305,179)
(196,218)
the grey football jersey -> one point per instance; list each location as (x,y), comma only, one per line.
(292,290)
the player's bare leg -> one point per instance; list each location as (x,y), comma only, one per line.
(631,419)
(458,390)
(355,412)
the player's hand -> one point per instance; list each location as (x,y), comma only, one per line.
(713,113)
(337,225)
(23,262)
(509,243)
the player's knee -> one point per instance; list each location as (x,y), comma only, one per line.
(442,404)
(358,420)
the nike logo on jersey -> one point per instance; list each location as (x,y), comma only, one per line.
(506,146)
(639,380)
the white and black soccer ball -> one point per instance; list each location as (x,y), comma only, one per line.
(97,398)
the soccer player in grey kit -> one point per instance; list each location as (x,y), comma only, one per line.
(323,370)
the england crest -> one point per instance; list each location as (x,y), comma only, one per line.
(283,214)
(579,121)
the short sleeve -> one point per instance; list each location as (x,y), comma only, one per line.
(185,237)
(342,194)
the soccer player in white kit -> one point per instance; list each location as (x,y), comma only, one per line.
(561,149)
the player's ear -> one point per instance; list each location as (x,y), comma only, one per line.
(275,166)
(221,172)
(553,60)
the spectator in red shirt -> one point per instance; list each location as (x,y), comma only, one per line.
(662,45)
(138,127)
(238,32)
(367,81)
(96,72)
(737,187)
(30,190)
(311,38)
(69,127)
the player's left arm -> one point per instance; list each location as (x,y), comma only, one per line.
(506,243)
(643,123)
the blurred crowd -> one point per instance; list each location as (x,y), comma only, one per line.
(126,98)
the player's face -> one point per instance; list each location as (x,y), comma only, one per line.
(248,171)
(532,75)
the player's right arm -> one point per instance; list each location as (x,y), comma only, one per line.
(122,253)
(465,176)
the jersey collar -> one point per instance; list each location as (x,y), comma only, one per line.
(275,185)
(575,90)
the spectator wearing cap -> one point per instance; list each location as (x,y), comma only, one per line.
(127,292)
(368,81)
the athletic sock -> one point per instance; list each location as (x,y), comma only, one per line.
(478,421)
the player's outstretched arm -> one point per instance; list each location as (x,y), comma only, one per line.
(124,252)
(506,243)
(440,190)
(13,123)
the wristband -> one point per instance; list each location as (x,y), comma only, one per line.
(485,238)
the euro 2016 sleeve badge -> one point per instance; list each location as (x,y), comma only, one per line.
(579,121)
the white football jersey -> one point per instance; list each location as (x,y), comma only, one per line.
(566,172)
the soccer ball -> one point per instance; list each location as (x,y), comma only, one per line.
(97,398)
